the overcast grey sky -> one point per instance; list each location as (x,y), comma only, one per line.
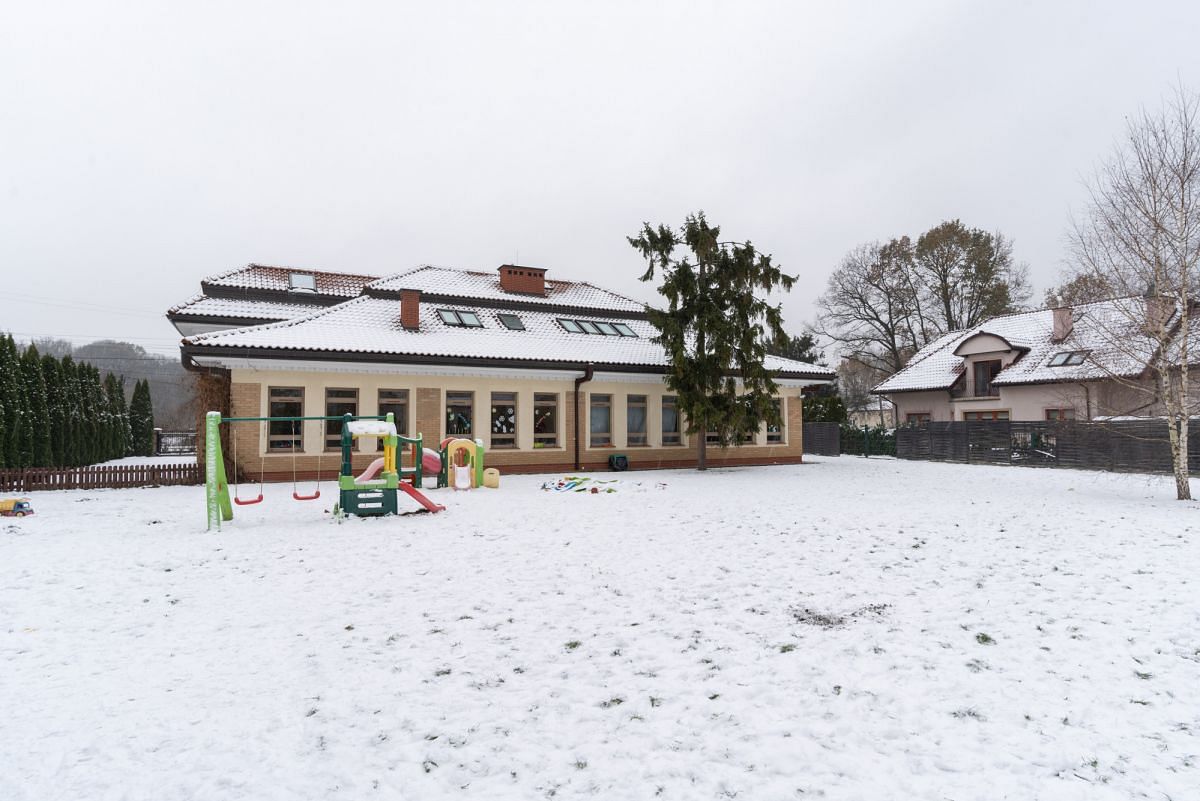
(144,145)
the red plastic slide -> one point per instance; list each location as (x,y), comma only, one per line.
(420,498)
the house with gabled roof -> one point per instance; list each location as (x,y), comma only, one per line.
(549,374)
(1071,363)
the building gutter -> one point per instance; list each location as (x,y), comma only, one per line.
(588,372)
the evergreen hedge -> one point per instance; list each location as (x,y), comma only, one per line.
(61,413)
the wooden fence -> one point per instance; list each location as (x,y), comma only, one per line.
(822,439)
(1136,446)
(35,479)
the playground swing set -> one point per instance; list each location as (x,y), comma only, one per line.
(458,463)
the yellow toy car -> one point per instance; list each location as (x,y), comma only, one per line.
(15,507)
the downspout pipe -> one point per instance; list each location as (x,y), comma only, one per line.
(588,372)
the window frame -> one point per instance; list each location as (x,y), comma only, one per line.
(508,441)
(293,286)
(384,405)
(631,403)
(459,395)
(458,318)
(566,324)
(916,418)
(1059,414)
(777,437)
(611,329)
(507,319)
(296,437)
(670,439)
(542,400)
(327,424)
(994,366)
(622,328)
(596,329)
(976,416)
(594,403)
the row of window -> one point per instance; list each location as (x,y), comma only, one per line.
(916,418)
(461,318)
(598,327)
(288,436)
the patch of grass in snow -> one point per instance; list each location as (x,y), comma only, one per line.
(573,644)
(655,701)
(580,764)
(983,638)
(1143,676)
(829,620)
(616,700)
(977,666)
(969,713)
(787,648)
(442,672)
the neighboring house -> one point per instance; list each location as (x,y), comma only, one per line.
(518,361)
(1052,364)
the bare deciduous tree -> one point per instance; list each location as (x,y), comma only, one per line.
(871,306)
(1140,235)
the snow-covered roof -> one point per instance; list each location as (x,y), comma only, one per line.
(261,276)
(239,309)
(370,327)
(1108,333)
(453,283)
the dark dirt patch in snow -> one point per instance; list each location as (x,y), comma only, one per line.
(833,620)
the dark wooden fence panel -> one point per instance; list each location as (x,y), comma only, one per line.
(822,439)
(1140,446)
(174,443)
(35,479)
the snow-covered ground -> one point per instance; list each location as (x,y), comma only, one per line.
(150,460)
(845,629)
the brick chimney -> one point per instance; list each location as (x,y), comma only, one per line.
(410,309)
(523,280)
(1063,324)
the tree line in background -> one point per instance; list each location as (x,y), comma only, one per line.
(887,300)
(57,412)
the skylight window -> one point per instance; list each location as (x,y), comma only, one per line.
(1068,358)
(302,282)
(598,327)
(511,321)
(460,318)
(624,330)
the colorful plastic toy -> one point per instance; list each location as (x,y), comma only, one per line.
(461,464)
(15,507)
(371,494)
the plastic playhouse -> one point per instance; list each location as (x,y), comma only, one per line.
(374,492)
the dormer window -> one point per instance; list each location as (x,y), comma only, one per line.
(1069,358)
(302,282)
(460,318)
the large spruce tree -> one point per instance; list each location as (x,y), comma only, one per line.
(717,326)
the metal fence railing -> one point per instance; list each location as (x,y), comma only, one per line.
(1136,446)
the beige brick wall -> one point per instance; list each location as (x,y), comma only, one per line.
(427,412)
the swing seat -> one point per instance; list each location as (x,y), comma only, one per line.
(297,496)
(247,501)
